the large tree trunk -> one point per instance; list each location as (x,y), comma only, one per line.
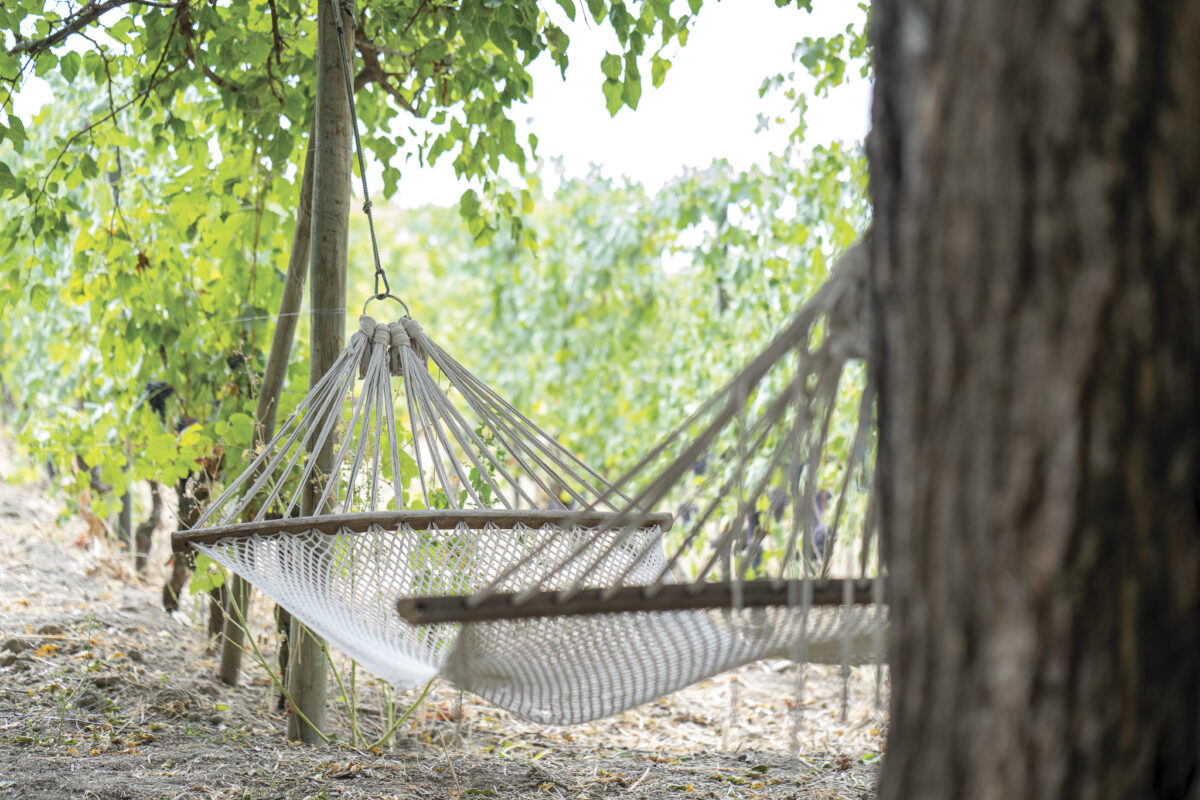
(327,302)
(1036,173)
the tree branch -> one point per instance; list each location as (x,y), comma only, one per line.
(184,21)
(365,45)
(276,38)
(416,14)
(373,72)
(78,21)
(166,49)
(14,82)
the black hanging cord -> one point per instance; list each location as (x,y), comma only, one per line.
(380,276)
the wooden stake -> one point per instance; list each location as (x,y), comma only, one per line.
(327,302)
(268,396)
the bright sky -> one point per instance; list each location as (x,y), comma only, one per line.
(708,107)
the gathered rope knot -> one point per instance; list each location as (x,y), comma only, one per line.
(415,332)
(399,335)
(368,328)
(417,337)
(400,339)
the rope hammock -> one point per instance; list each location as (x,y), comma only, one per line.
(451,535)
(427,500)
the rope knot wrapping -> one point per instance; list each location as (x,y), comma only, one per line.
(367,327)
(414,329)
(417,335)
(400,339)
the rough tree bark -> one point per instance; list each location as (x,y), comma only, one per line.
(1036,173)
(327,302)
(268,402)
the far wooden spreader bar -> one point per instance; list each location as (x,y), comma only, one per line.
(443,519)
(671,597)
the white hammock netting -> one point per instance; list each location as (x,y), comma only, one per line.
(437,486)
(553,670)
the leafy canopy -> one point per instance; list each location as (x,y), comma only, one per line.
(223,75)
(149,209)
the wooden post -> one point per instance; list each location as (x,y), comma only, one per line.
(268,397)
(327,302)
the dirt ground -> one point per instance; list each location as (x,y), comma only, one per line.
(104,695)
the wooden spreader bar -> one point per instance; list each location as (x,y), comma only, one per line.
(443,519)
(671,597)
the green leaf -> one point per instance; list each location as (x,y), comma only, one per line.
(631,92)
(620,20)
(485,235)
(610,65)
(658,70)
(569,7)
(7,179)
(208,575)
(44,64)
(39,295)
(17,131)
(241,428)
(598,9)
(468,204)
(69,65)
(87,166)
(613,95)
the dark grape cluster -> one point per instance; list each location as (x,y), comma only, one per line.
(157,394)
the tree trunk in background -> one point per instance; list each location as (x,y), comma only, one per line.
(143,535)
(1036,173)
(125,519)
(327,302)
(268,401)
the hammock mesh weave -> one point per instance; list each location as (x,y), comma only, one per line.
(553,670)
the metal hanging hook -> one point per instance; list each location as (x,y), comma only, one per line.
(386,296)
(387,288)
